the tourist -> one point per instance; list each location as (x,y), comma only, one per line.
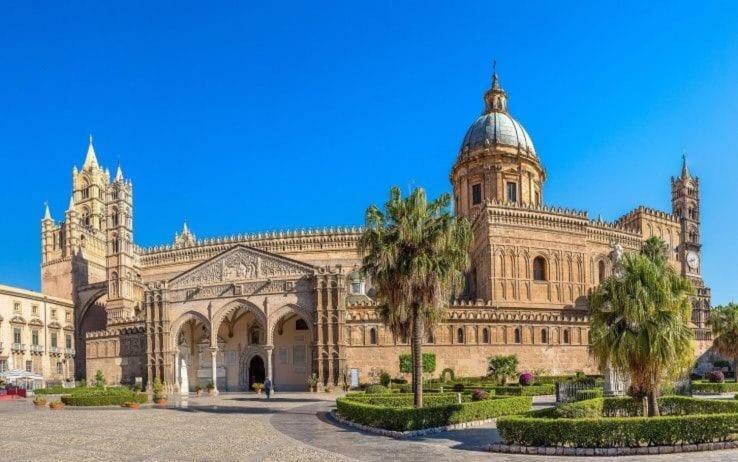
(268,387)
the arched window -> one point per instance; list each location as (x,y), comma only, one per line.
(430,338)
(601,271)
(114,217)
(566,336)
(86,217)
(300,324)
(85,190)
(517,335)
(115,243)
(372,336)
(459,335)
(539,269)
(485,335)
(544,336)
(254,336)
(82,241)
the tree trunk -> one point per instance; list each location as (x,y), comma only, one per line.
(653,404)
(644,406)
(417,357)
(735,369)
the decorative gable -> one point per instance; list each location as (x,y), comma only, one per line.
(240,263)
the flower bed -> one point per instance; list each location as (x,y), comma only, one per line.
(104,397)
(706,388)
(403,417)
(607,423)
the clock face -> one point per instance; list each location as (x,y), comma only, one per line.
(693,260)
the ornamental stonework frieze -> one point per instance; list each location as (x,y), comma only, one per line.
(245,289)
(240,264)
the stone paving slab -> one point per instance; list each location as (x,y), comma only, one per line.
(230,427)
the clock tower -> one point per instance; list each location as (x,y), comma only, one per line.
(685,203)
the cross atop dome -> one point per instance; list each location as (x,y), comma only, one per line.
(495,99)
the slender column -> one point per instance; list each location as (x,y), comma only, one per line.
(269,351)
(214,353)
(177,381)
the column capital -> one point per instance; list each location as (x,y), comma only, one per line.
(214,349)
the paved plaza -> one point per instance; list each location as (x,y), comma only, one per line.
(293,426)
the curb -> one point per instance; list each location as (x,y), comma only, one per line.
(624,451)
(410,433)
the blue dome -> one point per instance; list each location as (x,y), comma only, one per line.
(497,128)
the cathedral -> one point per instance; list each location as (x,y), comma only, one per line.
(293,305)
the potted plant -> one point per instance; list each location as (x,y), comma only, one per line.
(56,405)
(160,398)
(131,405)
(39,401)
(313,382)
(328,388)
(198,390)
(258,387)
(211,388)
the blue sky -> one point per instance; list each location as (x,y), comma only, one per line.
(244,117)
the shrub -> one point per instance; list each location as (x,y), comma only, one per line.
(99,379)
(617,431)
(721,363)
(532,390)
(592,408)
(447,375)
(405,399)
(406,388)
(713,388)
(715,377)
(458,387)
(502,367)
(210,386)
(428,361)
(104,397)
(408,418)
(479,395)
(525,379)
(376,389)
(399,381)
(384,378)
(54,390)
(589,393)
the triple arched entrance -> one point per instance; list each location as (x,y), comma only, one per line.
(240,345)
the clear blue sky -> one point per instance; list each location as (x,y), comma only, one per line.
(245,117)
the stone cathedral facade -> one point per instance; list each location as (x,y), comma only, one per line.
(236,309)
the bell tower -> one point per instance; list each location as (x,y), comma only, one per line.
(122,275)
(685,204)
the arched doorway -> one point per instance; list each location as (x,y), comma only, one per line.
(291,360)
(257,373)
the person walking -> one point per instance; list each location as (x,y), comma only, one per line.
(268,387)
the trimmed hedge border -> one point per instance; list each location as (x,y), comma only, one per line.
(529,390)
(102,398)
(410,433)
(621,451)
(408,418)
(707,388)
(609,432)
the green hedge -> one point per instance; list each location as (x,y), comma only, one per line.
(532,390)
(408,418)
(617,431)
(628,407)
(55,390)
(714,388)
(589,393)
(104,397)
(406,399)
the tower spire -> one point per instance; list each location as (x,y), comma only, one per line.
(118,173)
(90,158)
(71,202)
(47,212)
(685,170)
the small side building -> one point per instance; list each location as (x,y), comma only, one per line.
(36,333)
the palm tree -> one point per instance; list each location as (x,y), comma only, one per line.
(415,252)
(724,323)
(639,319)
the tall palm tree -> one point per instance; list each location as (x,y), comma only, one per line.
(415,252)
(639,319)
(724,323)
